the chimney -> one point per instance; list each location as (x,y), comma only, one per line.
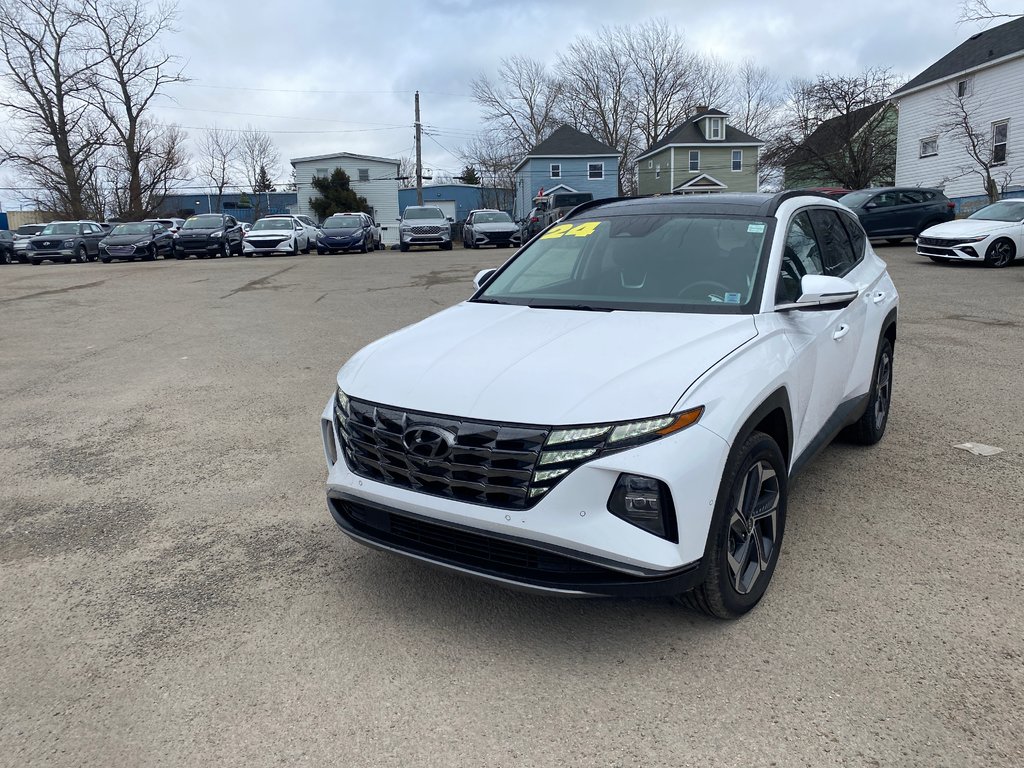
(701,108)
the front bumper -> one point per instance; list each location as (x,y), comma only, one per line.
(285,246)
(952,250)
(64,253)
(497,238)
(193,247)
(412,239)
(339,243)
(568,543)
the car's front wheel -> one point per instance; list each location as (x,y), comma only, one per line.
(1000,253)
(747,529)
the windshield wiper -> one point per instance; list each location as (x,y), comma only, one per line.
(489,301)
(577,307)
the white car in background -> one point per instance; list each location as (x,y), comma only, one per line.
(619,407)
(993,235)
(275,234)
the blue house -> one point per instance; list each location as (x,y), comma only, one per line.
(242,206)
(566,161)
(457,200)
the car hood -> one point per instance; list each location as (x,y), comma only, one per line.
(543,366)
(496,226)
(126,239)
(967,228)
(253,234)
(200,231)
(341,231)
(40,239)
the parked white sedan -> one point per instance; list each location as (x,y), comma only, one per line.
(993,235)
(275,234)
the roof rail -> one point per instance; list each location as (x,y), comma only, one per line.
(601,201)
(789,194)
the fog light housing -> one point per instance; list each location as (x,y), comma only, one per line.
(645,503)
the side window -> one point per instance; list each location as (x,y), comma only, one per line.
(230,221)
(910,197)
(800,257)
(857,236)
(884,200)
(836,248)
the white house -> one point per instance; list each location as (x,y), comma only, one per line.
(985,74)
(375,178)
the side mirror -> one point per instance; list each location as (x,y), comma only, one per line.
(482,277)
(870,206)
(822,292)
(451,220)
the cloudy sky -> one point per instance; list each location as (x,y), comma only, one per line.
(326,76)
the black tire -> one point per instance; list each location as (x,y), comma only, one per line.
(150,254)
(1000,254)
(5,257)
(320,251)
(403,248)
(446,246)
(295,249)
(733,583)
(870,427)
(82,255)
(307,249)
(894,240)
(180,255)
(36,262)
(105,260)
(363,248)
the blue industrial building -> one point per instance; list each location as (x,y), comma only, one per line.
(237,204)
(457,200)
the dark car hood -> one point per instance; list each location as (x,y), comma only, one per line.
(40,239)
(341,231)
(126,239)
(203,231)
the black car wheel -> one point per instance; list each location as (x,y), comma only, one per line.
(150,254)
(363,247)
(749,522)
(82,255)
(105,259)
(36,262)
(5,257)
(869,429)
(403,248)
(1000,253)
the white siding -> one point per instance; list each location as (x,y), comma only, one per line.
(998,95)
(381,191)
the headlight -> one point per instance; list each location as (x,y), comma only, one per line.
(142,242)
(103,243)
(69,243)
(219,233)
(971,239)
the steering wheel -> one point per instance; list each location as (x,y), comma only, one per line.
(702,285)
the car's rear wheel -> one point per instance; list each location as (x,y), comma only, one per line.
(747,529)
(1000,253)
(870,427)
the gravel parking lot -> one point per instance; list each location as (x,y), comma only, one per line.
(174,592)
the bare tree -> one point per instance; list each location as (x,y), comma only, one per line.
(980,10)
(984,146)
(406,168)
(218,158)
(522,104)
(132,75)
(664,71)
(600,95)
(140,185)
(838,129)
(756,100)
(54,140)
(713,80)
(259,159)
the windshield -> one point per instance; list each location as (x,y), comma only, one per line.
(343,222)
(132,229)
(855,199)
(498,217)
(60,228)
(655,262)
(1005,210)
(278,224)
(423,213)
(30,229)
(206,221)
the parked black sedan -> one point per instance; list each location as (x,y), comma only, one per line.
(346,232)
(898,212)
(209,234)
(145,240)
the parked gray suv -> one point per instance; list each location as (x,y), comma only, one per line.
(424,225)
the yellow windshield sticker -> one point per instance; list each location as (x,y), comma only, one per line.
(585,229)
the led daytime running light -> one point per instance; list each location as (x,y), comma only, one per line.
(575,435)
(557,457)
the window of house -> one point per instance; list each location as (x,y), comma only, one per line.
(694,159)
(965,87)
(716,128)
(323,173)
(929,146)
(657,171)
(364,174)
(999,133)
(556,170)
(650,164)
(595,171)
(737,159)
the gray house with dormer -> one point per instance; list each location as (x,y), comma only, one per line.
(704,153)
(566,161)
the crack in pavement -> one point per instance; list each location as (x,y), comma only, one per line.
(53,291)
(258,283)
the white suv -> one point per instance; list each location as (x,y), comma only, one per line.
(619,408)
(424,225)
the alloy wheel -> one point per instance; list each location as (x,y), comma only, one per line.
(753,526)
(1002,253)
(883,388)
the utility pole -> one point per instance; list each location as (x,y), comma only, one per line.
(419,155)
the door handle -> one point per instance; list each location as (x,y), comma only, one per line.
(841,331)
(879,297)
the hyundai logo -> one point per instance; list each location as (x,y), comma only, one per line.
(428,442)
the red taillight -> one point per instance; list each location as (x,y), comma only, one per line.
(951,205)
(534,220)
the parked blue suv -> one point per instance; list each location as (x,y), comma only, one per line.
(898,212)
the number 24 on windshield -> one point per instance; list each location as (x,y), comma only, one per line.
(570,230)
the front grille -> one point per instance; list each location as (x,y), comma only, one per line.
(498,237)
(929,250)
(121,250)
(426,230)
(271,242)
(941,242)
(488,463)
(477,551)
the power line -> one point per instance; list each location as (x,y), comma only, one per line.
(315,91)
(284,117)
